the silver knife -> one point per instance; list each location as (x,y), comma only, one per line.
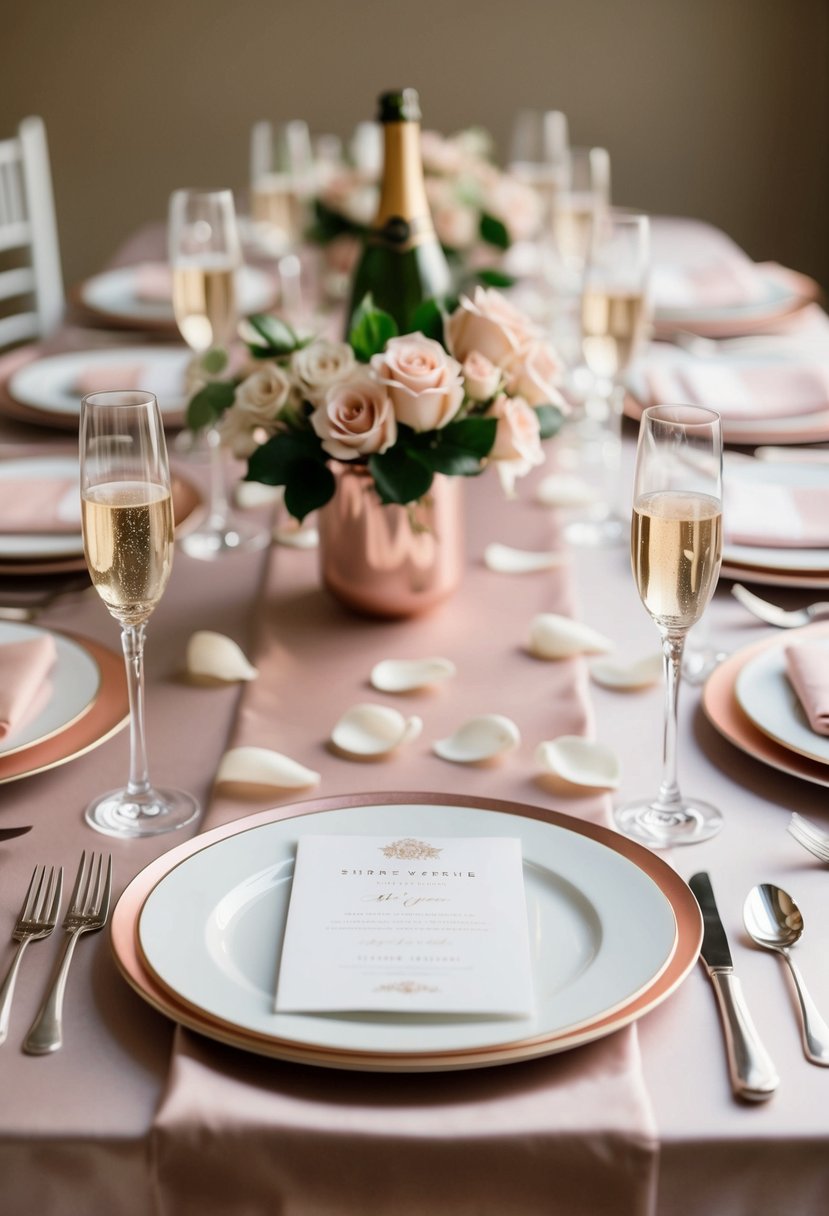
(10,833)
(752,1071)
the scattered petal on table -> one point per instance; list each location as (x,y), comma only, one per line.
(256,494)
(579,762)
(559,637)
(505,560)
(481,738)
(217,657)
(627,677)
(294,536)
(260,766)
(368,731)
(406,675)
(565,490)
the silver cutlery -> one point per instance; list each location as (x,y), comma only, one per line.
(813,839)
(10,833)
(31,605)
(36,920)
(773,921)
(752,1072)
(87,912)
(781,617)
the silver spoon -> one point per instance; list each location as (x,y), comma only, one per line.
(773,921)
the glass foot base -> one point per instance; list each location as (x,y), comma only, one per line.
(209,542)
(120,813)
(659,828)
(597,533)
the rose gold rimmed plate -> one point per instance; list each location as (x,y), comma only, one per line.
(807,579)
(719,700)
(105,717)
(685,944)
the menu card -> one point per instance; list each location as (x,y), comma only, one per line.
(405,924)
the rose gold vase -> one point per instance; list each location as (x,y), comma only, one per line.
(391,561)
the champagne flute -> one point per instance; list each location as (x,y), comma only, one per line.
(205,254)
(282,183)
(580,201)
(676,550)
(539,154)
(614,318)
(128,543)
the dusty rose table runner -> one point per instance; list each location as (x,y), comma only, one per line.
(572,1133)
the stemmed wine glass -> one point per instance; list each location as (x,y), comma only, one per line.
(128,544)
(282,182)
(205,254)
(676,550)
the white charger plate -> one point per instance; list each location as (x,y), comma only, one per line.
(113,293)
(49,384)
(774,299)
(41,544)
(75,680)
(767,697)
(765,472)
(601,931)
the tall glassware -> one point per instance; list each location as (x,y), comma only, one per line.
(281,186)
(205,254)
(128,543)
(676,550)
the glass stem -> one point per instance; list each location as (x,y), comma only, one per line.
(132,642)
(218,511)
(668,798)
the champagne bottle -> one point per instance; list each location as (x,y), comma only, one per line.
(402,263)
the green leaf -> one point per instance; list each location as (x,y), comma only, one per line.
(310,486)
(550,418)
(370,330)
(329,224)
(214,361)
(273,461)
(400,475)
(494,232)
(270,337)
(209,403)
(490,277)
(428,320)
(475,435)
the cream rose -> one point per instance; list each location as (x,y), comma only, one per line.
(263,394)
(517,206)
(321,365)
(480,376)
(488,324)
(517,447)
(242,434)
(424,383)
(355,419)
(533,374)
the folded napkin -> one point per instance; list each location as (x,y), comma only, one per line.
(24,667)
(153,282)
(739,391)
(40,505)
(807,665)
(721,283)
(776,516)
(164,378)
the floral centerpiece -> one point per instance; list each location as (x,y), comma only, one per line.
(476,384)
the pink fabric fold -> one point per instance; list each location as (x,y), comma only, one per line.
(24,667)
(740,391)
(776,516)
(102,377)
(571,1133)
(807,665)
(724,282)
(153,282)
(44,505)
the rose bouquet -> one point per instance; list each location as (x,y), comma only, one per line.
(473,386)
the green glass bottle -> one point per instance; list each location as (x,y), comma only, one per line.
(402,263)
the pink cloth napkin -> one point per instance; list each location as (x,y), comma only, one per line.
(721,283)
(24,667)
(153,282)
(42,505)
(740,391)
(571,1133)
(101,377)
(776,516)
(807,665)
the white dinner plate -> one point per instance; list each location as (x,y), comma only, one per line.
(114,293)
(42,544)
(773,299)
(600,931)
(767,697)
(49,384)
(784,473)
(75,680)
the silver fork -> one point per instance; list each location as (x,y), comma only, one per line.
(87,912)
(772,615)
(37,918)
(813,839)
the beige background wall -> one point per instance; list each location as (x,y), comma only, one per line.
(712,108)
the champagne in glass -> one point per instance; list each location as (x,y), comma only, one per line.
(127,521)
(205,254)
(676,550)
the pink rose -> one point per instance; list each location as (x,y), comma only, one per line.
(517,206)
(533,374)
(481,377)
(423,382)
(456,225)
(355,419)
(517,445)
(489,324)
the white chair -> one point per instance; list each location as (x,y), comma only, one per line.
(27,223)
